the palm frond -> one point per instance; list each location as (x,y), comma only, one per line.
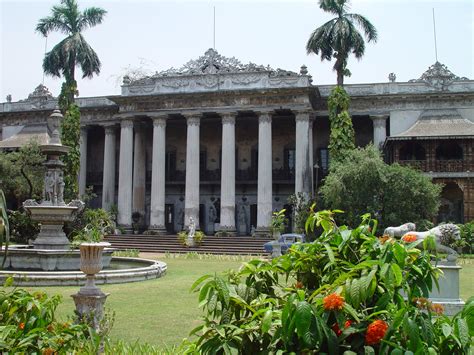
(369,30)
(358,45)
(87,58)
(49,24)
(91,17)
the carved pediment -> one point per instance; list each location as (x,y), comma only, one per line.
(439,77)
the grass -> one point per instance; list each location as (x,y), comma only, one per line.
(163,311)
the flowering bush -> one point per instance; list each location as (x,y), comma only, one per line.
(347,292)
(28,325)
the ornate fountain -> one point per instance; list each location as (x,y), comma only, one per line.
(51,249)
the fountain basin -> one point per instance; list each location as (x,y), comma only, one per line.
(120,270)
(30,259)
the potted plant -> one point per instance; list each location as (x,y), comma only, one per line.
(136,217)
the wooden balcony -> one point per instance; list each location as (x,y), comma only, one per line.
(441,166)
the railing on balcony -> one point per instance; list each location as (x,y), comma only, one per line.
(249,174)
(442,166)
(283,174)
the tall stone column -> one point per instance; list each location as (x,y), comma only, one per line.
(380,129)
(311,153)
(157,205)
(139,171)
(228,174)
(191,202)
(302,167)
(124,218)
(108,180)
(265,185)
(83,161)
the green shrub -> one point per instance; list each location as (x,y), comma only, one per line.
(98,218)
(183,237)
(22,227)
(128,253)
(362,182)
(466,243)
(28,324)
(347,292)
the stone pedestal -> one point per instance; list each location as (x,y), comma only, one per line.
(448,293)
(90,308)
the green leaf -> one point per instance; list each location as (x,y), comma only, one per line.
(223,290)
(199,281)
(397,272)
(303,316)
(462,331)
(446,329)
(267,321)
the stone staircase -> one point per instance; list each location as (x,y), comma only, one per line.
(241,245)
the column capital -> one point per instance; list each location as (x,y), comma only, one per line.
(228,117)
(193,119)
(304,114)
(110,128)
(126,123)
(265,116)
(160,121)
(379,117)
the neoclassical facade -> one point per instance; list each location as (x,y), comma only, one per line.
(226,143)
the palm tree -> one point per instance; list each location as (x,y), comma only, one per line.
(73,50)
(339,37)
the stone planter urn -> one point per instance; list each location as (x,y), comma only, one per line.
(276,246)
(90,299)
(91,264)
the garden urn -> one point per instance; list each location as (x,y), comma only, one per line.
(91,264)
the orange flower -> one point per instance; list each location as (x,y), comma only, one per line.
(409,238)
(375,332)
(48,351)
(21,325)
(384,238)
(50,327)
(333,302)
(336,328)
(437,308)
(422,302)
(298,284)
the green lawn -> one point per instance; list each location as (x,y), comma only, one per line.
(163,311)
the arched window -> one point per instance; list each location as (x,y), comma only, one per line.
(449,151)
(452,204)
(412,151)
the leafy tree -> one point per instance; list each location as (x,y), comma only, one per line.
(340,37)
(62,61)
(25,171)
(361,182)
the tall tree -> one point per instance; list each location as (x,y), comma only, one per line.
(73,50)
(62,61)
(340,37)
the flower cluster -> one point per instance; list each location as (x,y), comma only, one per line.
(333,302)
(375,332)
(424,303)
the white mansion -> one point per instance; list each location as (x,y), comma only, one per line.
(226,143)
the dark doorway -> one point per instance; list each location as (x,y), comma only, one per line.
(452,204)
(169,218)
(289,217)
(202,217)
(253,217)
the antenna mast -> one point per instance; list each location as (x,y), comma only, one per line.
(214,46)
(434,32)
(45,48)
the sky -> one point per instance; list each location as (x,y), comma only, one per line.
(156,35)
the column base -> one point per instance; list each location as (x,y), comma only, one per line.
(156,230)
(262,232)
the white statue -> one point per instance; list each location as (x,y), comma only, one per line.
(400,230)
(444,234)
(191,232)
